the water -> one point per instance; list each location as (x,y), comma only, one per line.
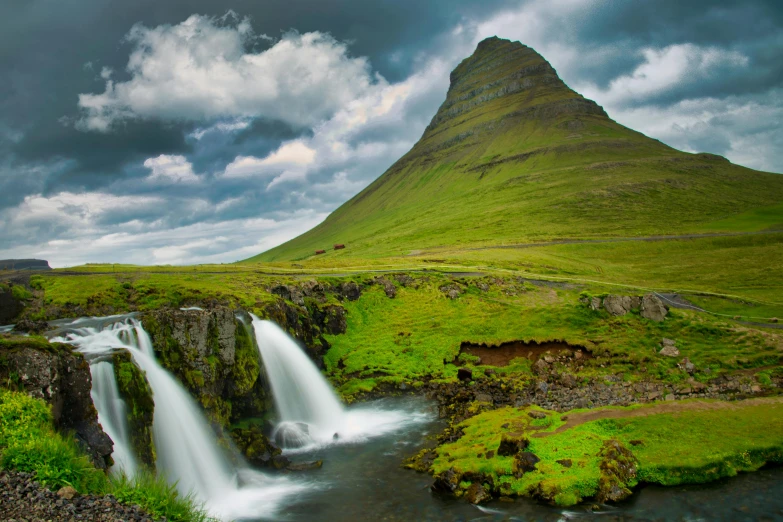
(187,448)
(310,414)
(365,482)
(112,414)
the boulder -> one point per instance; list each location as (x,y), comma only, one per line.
(446,482)
(540,367)
(451,291)
(618,472)
(30,326)
(536,414)
(350,290)
(653,308)
(595,303)
(617,304)
(388,286)
(305,466)
(687,365)
(67,493)
(669,349)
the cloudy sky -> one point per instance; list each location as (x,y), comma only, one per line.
(199,131)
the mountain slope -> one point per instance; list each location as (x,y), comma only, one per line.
(514,155)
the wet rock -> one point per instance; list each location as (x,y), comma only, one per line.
(465,374)
(30,326)
(256,447)
(136,392)
(512,443)
(653,308)
(446,482)
(476,494)
(305,466)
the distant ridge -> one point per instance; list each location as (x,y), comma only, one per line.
(24,264)
(513,155)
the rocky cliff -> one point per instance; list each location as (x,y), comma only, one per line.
(61,377)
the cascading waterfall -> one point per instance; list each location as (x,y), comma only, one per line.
(310,412)
(186,448)
(112,414)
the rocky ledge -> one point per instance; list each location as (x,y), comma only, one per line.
(22,499)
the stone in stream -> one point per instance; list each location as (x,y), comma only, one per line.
(476,494)
(304,466)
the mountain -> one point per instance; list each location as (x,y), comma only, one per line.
(515,156)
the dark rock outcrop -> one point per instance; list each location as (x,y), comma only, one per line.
(212,353)
(61,378)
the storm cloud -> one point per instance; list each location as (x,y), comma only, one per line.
(203,131)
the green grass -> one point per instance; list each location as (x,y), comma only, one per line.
(29,443)
(417,335)
(676,448)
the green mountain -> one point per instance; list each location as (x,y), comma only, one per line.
(515,156)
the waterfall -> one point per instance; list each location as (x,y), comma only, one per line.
(308,408)
(112,414)
(187,449)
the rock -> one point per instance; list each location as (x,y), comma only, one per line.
(542,387)
(388,286)
(465,374)
(668,342)
(549,359)
(755,388)
(511,444)
(476,494)
(483,397)
(304,466)
(669,351)
(280,462)
(67,492)
(578,355)
(566,463)
(136,392)
(687,365)
(452,291)
(568,380)
(773,320)
(524,462)
(653,308)
(536,414)
(540,367)
(617,304)
(350,290)
(446,482)
(636,442)
(30,326)
(61,378)
(256,447)
(490,454)
(669,397)
(484,287)
(595,303)
(404,279)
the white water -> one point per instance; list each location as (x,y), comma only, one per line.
(186,447)
(112,414)
(304,397)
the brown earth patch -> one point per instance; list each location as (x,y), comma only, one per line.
(503,354)
(575,419)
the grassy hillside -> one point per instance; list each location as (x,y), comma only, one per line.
(515,156)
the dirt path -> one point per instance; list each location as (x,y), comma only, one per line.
(666,407)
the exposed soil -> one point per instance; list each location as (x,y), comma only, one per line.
(503,354)
(667,407)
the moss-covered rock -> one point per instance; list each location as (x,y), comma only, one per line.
(257,448)
(214,355)
(137,394)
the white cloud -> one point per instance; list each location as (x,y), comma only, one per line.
(200,69)
(663,70)
(170,169)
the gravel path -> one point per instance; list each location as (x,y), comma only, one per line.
(22,499)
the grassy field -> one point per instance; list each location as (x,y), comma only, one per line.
(670,448)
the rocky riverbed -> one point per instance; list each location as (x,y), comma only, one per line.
(22,499)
